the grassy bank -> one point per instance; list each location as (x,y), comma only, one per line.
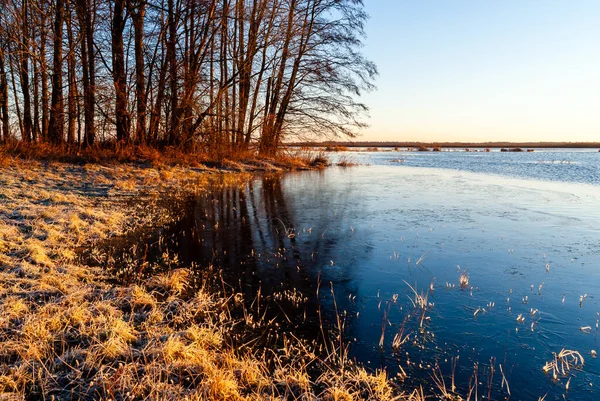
(110,153)
(66,332)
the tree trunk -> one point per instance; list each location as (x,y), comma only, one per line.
(24,72)
(12,66)
(72,100)
(291,84)
(44,78)
(36,107)
(123,120)
(172,61)
(5,132)
(268,144)
(160,89)
(56,128)
(84,15)
(140,78)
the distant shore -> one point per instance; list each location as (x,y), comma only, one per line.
(372,144)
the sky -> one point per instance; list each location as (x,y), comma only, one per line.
(484,70)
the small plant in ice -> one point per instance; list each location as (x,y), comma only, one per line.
(420,260)
(581,299)
(586,329)
(289,232)
(504,381)
(400,338)
(479,310)
(464,280)
(563,362)
(440,383)
(417,395)
(420,302)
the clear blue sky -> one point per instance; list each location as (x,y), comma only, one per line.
(478,70)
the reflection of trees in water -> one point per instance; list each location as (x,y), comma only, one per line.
(250,233)
(246,233)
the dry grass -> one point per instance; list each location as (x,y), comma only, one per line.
(309,158)
(346,162)
(194,157)
(67,333)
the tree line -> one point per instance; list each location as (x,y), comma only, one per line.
(225,75)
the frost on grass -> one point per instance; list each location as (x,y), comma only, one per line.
(66,333)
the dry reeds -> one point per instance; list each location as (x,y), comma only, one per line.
(563,362)
(420,303)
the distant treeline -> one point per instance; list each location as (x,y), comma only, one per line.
(372,144)
(221,74)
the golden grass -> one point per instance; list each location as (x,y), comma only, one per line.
(174,281)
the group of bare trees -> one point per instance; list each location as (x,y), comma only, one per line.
(222,74)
